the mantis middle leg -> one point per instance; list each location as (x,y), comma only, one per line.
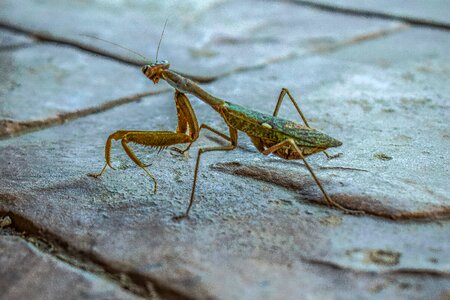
(233,144)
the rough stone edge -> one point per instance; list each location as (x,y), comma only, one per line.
(43,249)
(9,128)
(138,283)
(47,37)
(370,206)
(50,38)
(141,285)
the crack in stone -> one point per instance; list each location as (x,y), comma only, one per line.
(134,282)
(399,271)
(141,285)
(357,39)
(367,204)
(49,38)
(9,128)
(371,14)
(46,37)
(369,36)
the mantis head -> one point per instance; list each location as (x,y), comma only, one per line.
(153,71)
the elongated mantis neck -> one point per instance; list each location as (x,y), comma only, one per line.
(185,85)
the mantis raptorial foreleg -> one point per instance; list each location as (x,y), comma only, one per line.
(284,92)
(291,143)
(186,132)
(118,135)
(159,139)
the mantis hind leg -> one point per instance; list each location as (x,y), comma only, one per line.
(284,92)
(328,200)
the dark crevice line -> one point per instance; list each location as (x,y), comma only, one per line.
(47,37)
(142,285)
(368,36)
(10,128)
(47,248)
(398,271)
(361,38)
(372,14)
(369,205)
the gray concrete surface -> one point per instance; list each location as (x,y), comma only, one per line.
(259,227)
(34,275)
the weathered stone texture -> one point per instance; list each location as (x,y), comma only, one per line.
(27,273)
(259,227)
(214,38)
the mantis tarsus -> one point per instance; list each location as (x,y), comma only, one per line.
(269,133)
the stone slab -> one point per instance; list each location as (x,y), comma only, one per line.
(423,52)
(362,89)
(27,273)
(216,37)
(258,228)
(246,238)
(45,81)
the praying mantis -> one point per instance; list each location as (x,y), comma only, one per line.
(268,133)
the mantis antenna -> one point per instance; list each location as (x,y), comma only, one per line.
(120,46)
(160,39)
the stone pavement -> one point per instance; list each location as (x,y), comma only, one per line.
(375,76)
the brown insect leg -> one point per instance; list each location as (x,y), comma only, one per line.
(186,119)
(290,142)
(95,175)
(115,136)
(284,92)
(233,139)
(201,127)
(160,139)
(137,161)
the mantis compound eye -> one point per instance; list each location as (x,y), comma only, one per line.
(145,68)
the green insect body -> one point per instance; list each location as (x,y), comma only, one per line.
(266,130)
